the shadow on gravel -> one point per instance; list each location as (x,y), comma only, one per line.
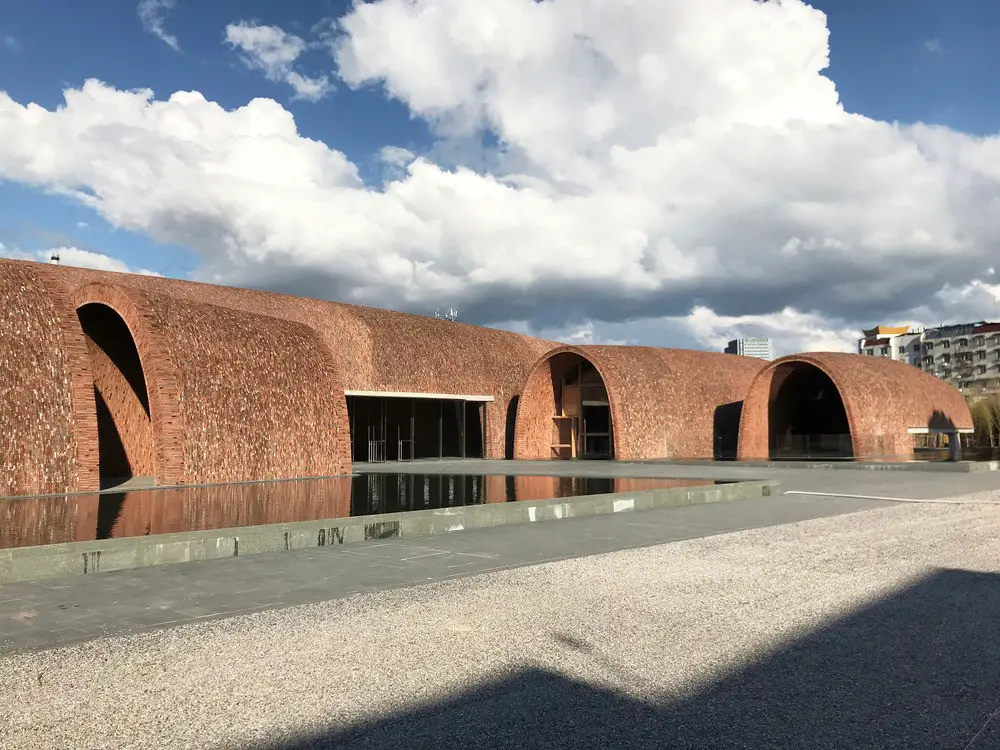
(920,669)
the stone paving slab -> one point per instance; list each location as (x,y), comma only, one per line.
(54,612)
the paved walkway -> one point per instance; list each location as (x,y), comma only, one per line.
(872,630)
(56,612)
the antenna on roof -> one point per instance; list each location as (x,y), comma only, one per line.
(451,315)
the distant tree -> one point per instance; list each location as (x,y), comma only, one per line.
(985,419)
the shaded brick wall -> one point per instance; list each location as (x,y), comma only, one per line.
(233,395)
(664,402)
(883,398)
(125,433)
(48,425)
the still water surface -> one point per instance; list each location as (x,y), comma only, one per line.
(75,518)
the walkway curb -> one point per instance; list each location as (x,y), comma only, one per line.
(86,558)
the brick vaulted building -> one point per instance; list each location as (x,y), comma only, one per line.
(105,376)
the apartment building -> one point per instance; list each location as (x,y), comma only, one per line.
(894,342)
(759,348)
(967,355)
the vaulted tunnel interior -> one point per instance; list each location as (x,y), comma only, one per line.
(806,415)
(581,418)
(124,429)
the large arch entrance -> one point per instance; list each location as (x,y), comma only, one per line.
(806,415)
(565,412)
(124,428)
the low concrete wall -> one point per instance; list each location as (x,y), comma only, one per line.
(85,558)
(960,467)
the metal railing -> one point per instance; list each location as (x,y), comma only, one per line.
(376,446)
(811,446)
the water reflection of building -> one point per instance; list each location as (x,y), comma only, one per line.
(77,518)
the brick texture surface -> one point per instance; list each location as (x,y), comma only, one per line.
(378,350)
(238,396)
(48,423)
(664,402)
(883,399)
(123,403)
(245,385)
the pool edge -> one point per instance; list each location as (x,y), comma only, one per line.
(70,559)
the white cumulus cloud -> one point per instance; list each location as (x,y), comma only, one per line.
(274,52)
(792,331)
(74,256)
(650,163)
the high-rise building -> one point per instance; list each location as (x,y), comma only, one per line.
(967,355)
(759,348)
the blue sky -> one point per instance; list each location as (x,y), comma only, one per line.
(57,47)
(891,60)
(905,60)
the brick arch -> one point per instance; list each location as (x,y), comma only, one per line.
(48,428)
(166,423)
(883,400)
(665,403)
(242,396)
(533,427)
(377,350)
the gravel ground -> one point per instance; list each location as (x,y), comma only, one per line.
(876,629)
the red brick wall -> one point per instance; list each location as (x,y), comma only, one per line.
(379,350)
(883,398)
(120,390)
(663,401)
(48,424)
(233,395)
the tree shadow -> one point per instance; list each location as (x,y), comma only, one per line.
(917,669)
(940,421)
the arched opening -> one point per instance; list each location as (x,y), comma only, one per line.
(511,422)
(806,415)
(581,418)
(124,428)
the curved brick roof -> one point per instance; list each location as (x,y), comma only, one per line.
(375,349)
(883,398)
(48,423)
(232,395)
(664,402)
